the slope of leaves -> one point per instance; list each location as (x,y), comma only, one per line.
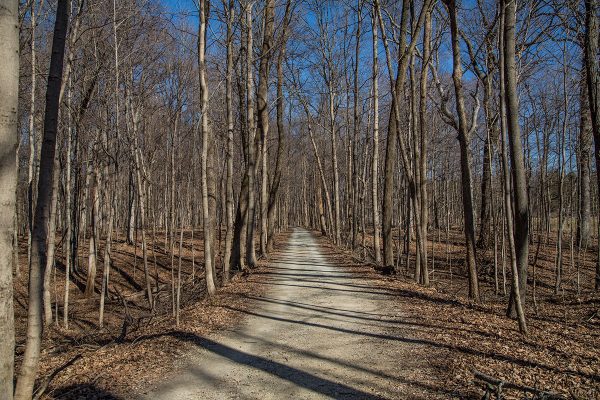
(136,348)
(560,354)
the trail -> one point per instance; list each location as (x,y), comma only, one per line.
(319,331)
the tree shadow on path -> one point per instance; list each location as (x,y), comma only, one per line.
(296,376)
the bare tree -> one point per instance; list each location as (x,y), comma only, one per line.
(263,119)
(464,136)
(207,214)
(251,139)
(281,142)
(229,200)
(395,138)
(506,187)
(29,368)
(375,162)
(520,195)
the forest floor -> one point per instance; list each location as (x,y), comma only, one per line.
(136,347)
(314,321)
(560,354)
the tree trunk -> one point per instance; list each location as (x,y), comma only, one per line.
(263,119)
(51,242)
(485,230)
(320,167)
(178,301)
(24,388)
(32,136)
(51,239)
(239,228)
(238,256)
(174,135)
(281,144)
(593,86)
(375,162)
(141,196)
(110,195)
(421,173)
(334,165)
(206,137)
(68,214)
(90,284)
(229,180)
(353,172)
(9,92)
(583,167)
(464,136)
(509,217)
(130,208)
(251,171)
(319,200)
(520,196)
(394,137)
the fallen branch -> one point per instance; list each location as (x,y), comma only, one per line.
(499,384)
(44,384)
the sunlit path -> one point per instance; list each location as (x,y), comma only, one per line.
(316,333)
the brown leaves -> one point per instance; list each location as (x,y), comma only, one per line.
(560,354)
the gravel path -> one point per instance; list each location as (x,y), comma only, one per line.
(319,331)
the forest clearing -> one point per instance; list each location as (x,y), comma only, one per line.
(304,199)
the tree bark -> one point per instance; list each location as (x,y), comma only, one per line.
(229,179)
(593,86)
(68,214)
(51,242)
(375,162)
(110,195)
(583,167)
(421,173)
(238,256)
(334,163)
(509,218)
(9,93)
(90,284)
(520,196)
(485,230)
(32,136)
(130,209)
(353,172)
(251,171)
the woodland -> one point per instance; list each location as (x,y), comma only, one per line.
(156,154)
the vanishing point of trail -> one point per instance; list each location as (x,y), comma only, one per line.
(318,332)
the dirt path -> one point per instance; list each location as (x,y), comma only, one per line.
(319,331)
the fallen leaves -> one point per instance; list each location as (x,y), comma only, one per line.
(560,354)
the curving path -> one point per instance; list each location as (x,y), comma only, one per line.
(319,331)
